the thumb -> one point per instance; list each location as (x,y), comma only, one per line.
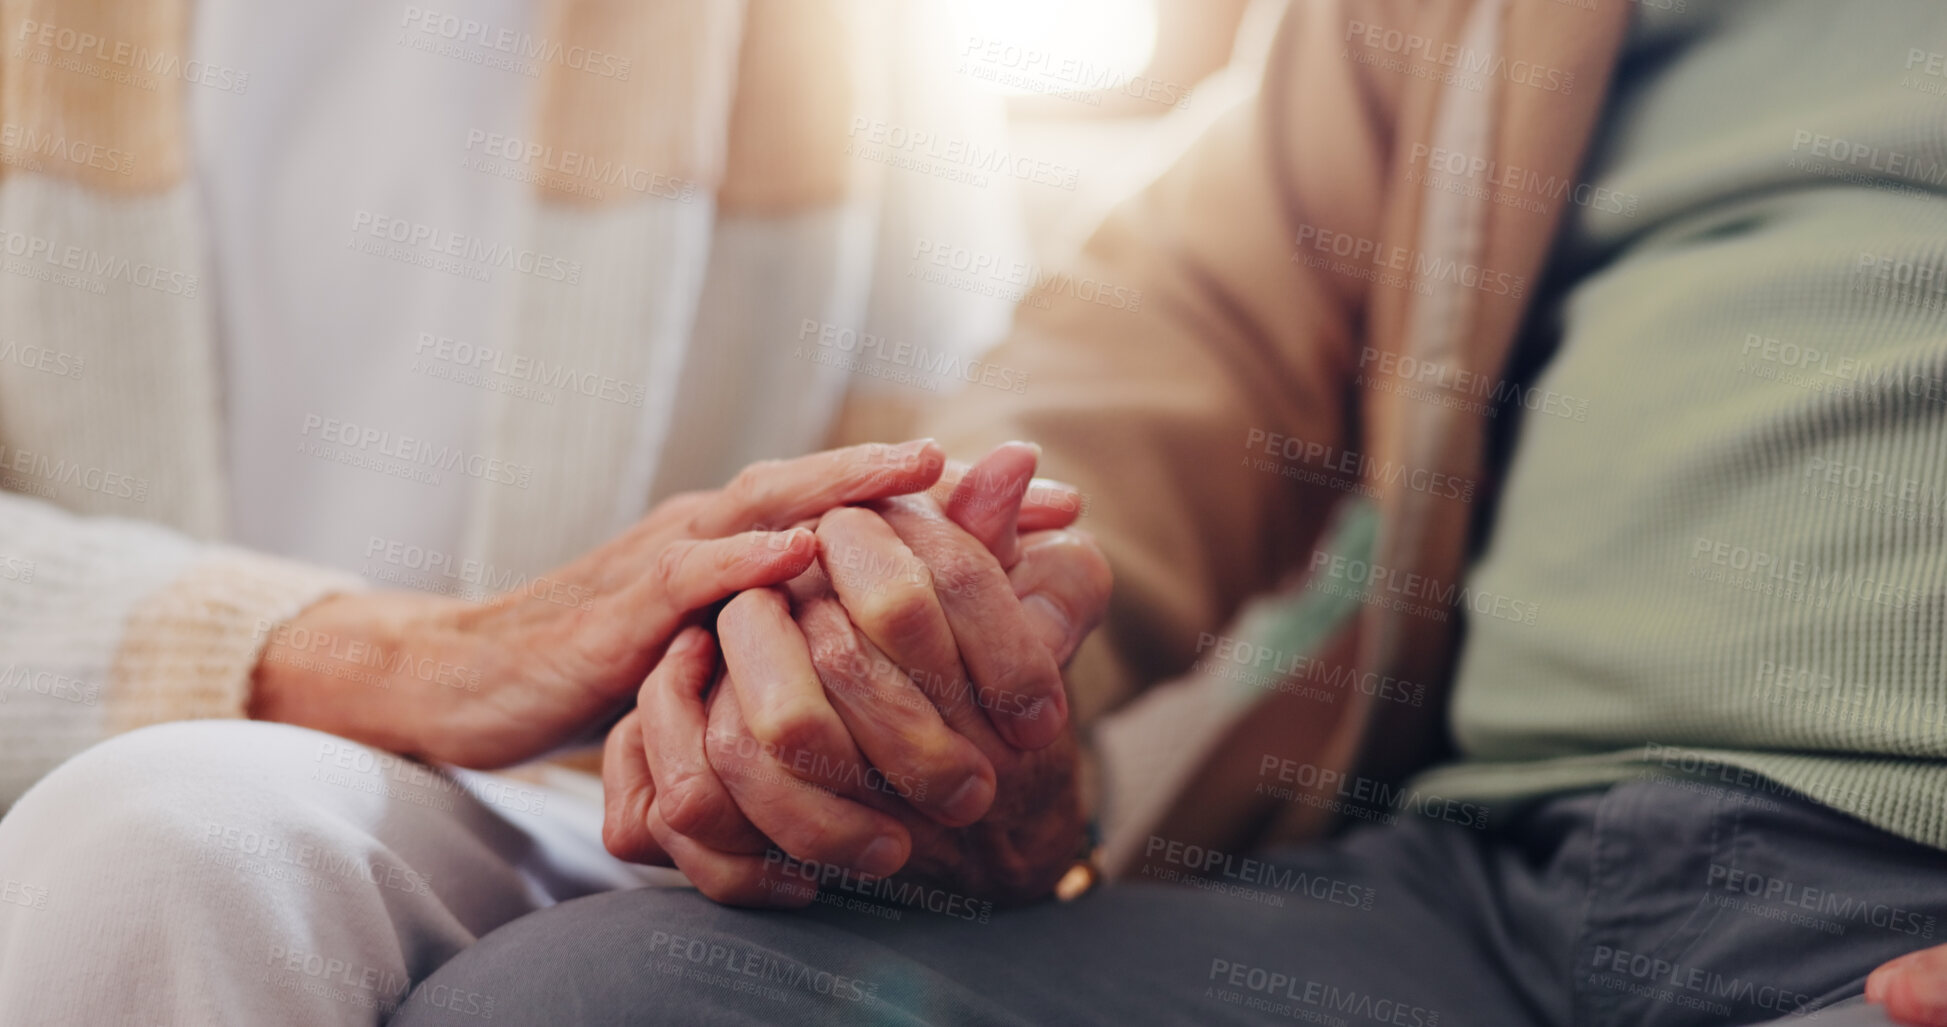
(1063,581)
(1913,988)
(986,503)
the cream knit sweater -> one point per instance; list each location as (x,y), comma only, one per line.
(119,604)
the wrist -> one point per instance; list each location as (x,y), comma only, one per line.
(344,665)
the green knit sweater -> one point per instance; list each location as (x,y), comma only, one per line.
(1740,556)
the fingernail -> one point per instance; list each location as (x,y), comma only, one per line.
(1876,986)
(970,801)
(882,858)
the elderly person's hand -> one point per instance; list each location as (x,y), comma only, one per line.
(866,716)
(488,685)
(1913,988)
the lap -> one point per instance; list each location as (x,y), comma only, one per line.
(1321,936)
(1605,908)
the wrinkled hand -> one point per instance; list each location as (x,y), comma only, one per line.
(1913,988)
(487,685)
(850,732)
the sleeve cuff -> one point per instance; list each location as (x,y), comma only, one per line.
(190,650)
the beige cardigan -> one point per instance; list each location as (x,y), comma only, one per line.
(1285,264)
(118,605)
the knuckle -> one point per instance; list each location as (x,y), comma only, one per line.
(960,573)
(843,522)
(684,507)
(730,753)
(669,562)
(622,839)
(1017,674)
(1098,578)
(753,489)
(809,839)
(791,727)
(839,659)
(897,610)
(690,806)
(933,756)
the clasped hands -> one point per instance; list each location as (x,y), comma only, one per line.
(882,693)
(895,707)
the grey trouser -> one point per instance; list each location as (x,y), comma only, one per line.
(1645,904)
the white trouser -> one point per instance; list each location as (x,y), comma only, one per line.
(234,872)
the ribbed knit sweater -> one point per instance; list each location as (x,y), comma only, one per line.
(1731,525)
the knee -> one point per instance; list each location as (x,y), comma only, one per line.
(609,956)
(152,798)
